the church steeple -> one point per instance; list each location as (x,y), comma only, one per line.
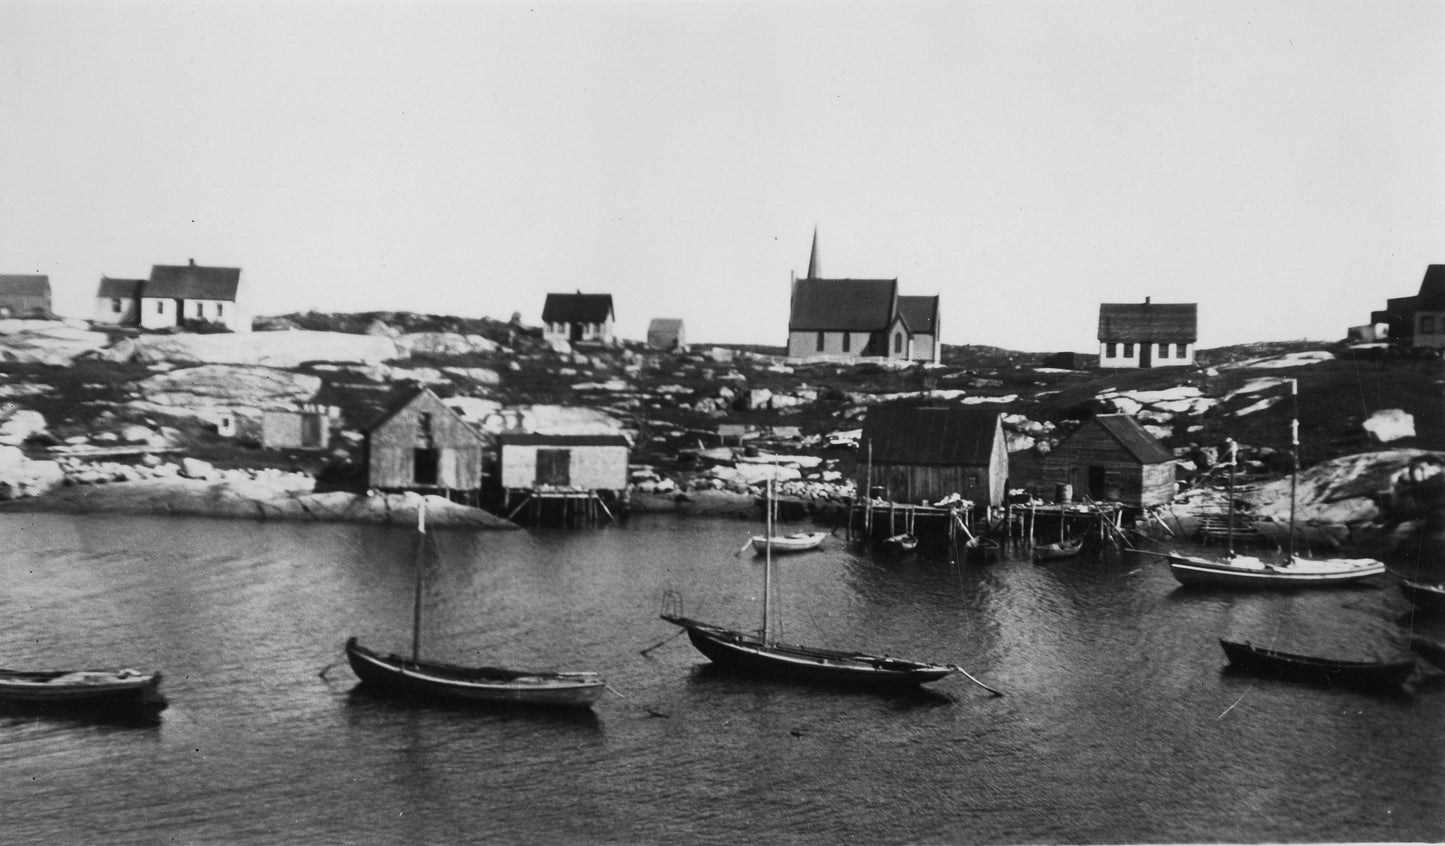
(813,257)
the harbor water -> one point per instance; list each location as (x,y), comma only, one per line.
(1118,723)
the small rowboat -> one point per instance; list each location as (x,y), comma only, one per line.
(1060,549)
(982,549)
(122,689)
(1426,596)
(1315,670)
(796,542)
(901,544)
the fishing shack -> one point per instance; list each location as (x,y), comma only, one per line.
(563,477)
(922,455)
(1111,458)
(419,444)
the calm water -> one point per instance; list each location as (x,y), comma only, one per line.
(1118,724)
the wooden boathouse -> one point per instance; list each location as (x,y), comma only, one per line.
(419,444)
(1111,458)
(924,454)
(567,478)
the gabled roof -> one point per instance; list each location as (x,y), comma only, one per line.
(1432,289)
(842,305)
(532,439)
(577,308)
(193,282)
(951,435)
(1149,322)
(24,284)
(919,314)
(403,396)
(1144,447)
(120,288)
(670,325)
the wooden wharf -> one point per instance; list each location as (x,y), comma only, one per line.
(543,506)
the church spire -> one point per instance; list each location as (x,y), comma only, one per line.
(813,257)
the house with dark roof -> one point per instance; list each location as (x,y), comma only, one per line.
(418,443)
(923,454)
(25,295)
(174,295)
(1417,321)
(1111,458)
(1147,334)
(118,301)
(666,333)
(578,317)
(858,318)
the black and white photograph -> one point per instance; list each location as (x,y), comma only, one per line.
(722,422)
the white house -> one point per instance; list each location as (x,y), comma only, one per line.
(1147,334)
(578,317)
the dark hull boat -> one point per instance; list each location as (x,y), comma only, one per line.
(122,690)
(418,678)
(1373,675)
(398,675)
(1427,596)
(901,544)
(749,654)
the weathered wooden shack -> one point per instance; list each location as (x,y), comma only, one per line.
(24,295)
(420,444)
(563,462)
(924,454)
(1111,458)
(306,427)
(666,333)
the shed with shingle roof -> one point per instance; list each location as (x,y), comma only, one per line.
(25,295)
(118,301)
(1112,458)
(919,454)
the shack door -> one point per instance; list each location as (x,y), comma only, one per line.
(1098,482)
(311,431)
(554,467)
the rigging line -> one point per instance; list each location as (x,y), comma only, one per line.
(968,676)
(654,712)
(1237,701)
(674,636)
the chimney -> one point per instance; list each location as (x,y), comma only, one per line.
(193,262)
(1146,299)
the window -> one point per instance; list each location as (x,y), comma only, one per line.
(554,467)
(898,343)
(1427,324)
(1111,350)
(847,342)
(820,342)
(220,309)
(1163,350)
(1129,350)
(115,305)
(160,306)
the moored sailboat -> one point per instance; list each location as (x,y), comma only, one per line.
(413,676)
(1379,675)
(1232,570)
(759,654)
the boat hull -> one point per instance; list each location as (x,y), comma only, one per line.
(746,654)
(801,542)
(1246,572)
(1424,595)
(397,675)
(1058,551)
(122,690)
(1379,675)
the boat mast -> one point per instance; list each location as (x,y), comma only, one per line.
(416,591)
(768,560)
(1233,462)
(1294,455)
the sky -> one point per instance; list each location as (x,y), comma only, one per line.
(1282,164)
